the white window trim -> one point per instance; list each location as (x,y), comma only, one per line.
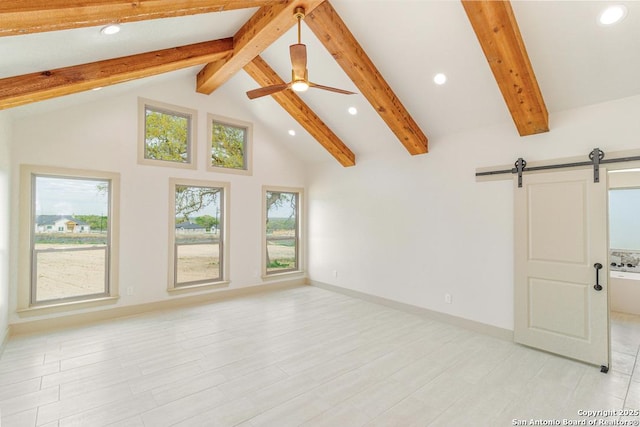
(301,234)
(224,281)
(191,146)
(248,154)
(26,231)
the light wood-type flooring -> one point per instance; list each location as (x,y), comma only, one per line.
(302,356)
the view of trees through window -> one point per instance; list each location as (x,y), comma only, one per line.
(281,231)
(70,245)
(198,234)
(228,146)
(167,135)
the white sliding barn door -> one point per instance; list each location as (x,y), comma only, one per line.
(560,233)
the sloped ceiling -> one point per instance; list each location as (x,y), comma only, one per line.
(577,62)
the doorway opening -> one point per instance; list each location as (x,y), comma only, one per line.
(624,268)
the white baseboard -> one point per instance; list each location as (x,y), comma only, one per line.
(479,327)
(44,325)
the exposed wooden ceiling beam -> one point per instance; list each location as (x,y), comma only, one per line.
(28,88)
(264,27)
(19,17)
(264,75)
(343,46)
(497,30)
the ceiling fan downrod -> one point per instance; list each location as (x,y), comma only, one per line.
(298,13)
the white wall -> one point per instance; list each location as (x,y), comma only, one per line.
(103,136)
(5,174)
(411,229)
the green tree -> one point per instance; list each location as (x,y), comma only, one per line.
(166,136)
(207,221)
(275,200)
(193,199)
(96,222)
(228,146)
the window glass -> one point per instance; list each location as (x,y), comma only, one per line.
(624,222)
(70,244)
(167,135)
(230,145)
(198,240)
(281,231)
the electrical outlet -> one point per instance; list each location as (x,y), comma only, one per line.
(130,290)
(447,298)
(335,274)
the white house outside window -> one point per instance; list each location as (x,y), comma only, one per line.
(70,238)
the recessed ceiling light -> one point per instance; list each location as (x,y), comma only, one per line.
(353,111)
(292,132)
(613,14)
(110,30)
(439,79)
(97,88)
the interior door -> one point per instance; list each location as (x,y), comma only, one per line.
(560,239)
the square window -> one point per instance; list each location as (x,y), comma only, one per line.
(167,135)
(231,144)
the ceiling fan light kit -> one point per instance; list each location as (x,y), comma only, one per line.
(300,86)
(299,73)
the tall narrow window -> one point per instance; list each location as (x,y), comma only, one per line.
(167,135)
(230,145)
(282,230)
(198,233)
(70,244)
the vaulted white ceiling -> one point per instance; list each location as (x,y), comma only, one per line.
(577,62)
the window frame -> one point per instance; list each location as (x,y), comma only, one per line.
(162,107)
(300,238)
(26,267)
(172,286)
(248,146)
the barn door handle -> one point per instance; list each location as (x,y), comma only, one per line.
(597,286)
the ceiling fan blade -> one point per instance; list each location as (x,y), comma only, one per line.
(298,54)
(331,89)
(267,90)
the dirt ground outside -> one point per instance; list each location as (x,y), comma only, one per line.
(69,272)
(197,262)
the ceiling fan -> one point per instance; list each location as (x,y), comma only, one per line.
(299,73)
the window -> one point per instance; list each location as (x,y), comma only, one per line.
(70,253)
(198,233)
(281,230)
(230,145)
(167,135)
(624,225)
